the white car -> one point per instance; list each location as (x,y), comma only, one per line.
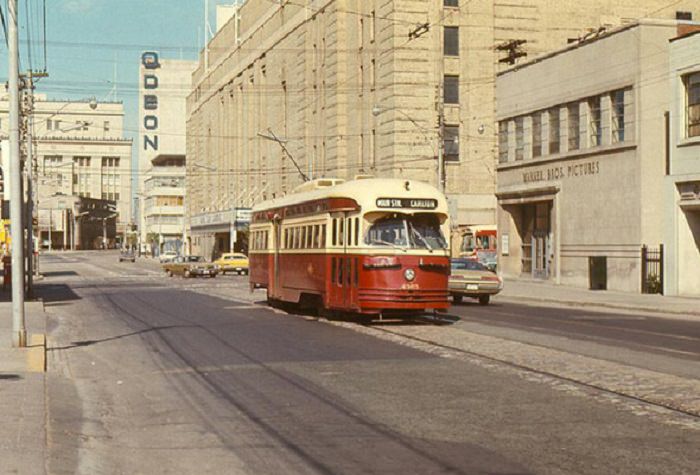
(167,256)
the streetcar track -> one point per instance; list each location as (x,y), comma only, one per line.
(221,391)
(521,367)
(588,324)
(633,345)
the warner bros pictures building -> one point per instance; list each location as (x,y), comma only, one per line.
(682,225)
(582,157)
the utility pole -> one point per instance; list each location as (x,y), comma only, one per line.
(19,332)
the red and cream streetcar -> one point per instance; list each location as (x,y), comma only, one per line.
(374,247)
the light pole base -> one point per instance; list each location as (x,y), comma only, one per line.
(19,339)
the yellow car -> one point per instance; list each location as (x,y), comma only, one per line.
(233,262)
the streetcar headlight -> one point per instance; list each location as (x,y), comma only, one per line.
(409,274)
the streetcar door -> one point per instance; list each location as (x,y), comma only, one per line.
(274,277)
(352,239)
(338,264)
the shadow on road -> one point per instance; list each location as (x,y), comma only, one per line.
(83,343)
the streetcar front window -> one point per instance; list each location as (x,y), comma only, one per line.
(412,232)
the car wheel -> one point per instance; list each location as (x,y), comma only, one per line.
(169,273)
(187,274)
(245,272)
(484,299)
(456,298)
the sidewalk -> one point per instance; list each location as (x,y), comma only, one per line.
(22,386)
(545,292)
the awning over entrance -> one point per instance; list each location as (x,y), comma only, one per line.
(530,195)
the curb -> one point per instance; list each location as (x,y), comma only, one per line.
(36,353)
(573,303)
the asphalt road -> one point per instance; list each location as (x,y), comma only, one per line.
(149,376)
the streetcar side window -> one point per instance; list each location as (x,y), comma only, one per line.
(316,237)
(334,225)
(340,231)
(357,231)
(265,238)
(323,235)
(349,228)
(309,237)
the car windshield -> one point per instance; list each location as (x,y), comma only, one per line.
(194,259)
(466,264)
(402,231)
(487,257)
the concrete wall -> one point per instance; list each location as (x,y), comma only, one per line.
(682,225)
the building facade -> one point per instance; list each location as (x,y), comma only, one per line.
(164,192)
(292,90)
(582,158)
(163,88)
(682,226)
(80,151)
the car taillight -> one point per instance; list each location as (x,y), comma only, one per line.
(491,278)
(457,277)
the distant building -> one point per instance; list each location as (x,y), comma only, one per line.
(80,152)
(582,157)
(682,225)
(163,88)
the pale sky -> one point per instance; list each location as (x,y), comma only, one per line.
(86,38)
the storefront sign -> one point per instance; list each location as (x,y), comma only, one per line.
(406,203)
(560,172)
(505,243)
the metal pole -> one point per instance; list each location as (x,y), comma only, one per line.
(19,332)
(29,170)
(104,233)
(50,224)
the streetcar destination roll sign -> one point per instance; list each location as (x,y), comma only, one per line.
(412,203)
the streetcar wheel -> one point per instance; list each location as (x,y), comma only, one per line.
(484,299)
(457,298)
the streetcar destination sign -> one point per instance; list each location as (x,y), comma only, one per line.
(406,203)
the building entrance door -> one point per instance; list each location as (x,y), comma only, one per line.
(540,254)
(536,239)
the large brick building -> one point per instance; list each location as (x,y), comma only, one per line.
(370,87)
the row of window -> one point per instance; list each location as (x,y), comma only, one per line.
(310,236)
(57,160)
(343,232)
(55,125)
(540,133)
(258,240)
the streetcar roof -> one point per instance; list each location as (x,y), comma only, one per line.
(367,193)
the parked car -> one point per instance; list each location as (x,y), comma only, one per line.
(127,255)
(190,266)
(233,262)
(470,278)
(167,256)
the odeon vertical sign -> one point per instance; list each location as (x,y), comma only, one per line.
(151,64)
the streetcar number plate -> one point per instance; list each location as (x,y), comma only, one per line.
(472,286)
